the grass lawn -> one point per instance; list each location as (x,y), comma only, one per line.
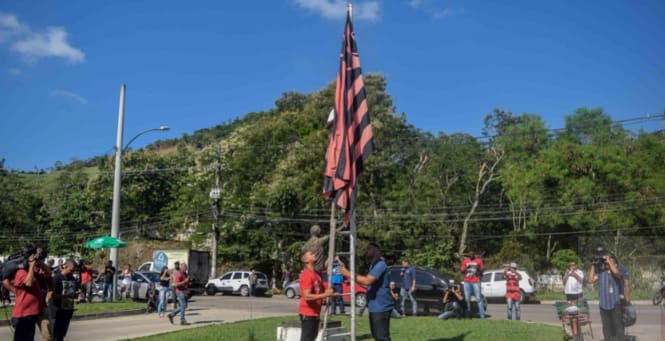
(408,329)
(98,307)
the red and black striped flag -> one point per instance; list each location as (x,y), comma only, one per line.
(351,139)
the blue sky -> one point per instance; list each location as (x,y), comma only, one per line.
(193,65)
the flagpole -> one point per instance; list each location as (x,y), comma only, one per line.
(352,242)
(331,255)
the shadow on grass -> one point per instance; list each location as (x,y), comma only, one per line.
(460,337)
(364,337)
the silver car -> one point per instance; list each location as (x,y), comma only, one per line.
(141,281)
(292,289)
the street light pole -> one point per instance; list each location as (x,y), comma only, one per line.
(215,194)
(115,215)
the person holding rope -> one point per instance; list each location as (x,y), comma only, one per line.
(312,294)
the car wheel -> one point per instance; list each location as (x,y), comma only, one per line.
(290,293)
(361,300)
(244,291)
(211,290)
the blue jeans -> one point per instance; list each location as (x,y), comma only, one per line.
(474,288)
(182,306)
(455,312)
(337,300)
(161,306)
(403,294)
(510,303)
(107,292)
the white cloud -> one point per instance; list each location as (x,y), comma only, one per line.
(335,9)
(432,8)
(72,95)
(51,42)
(14,71)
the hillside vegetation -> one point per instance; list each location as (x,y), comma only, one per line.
(521,192)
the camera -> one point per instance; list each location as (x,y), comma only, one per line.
(599,260)
(21,260)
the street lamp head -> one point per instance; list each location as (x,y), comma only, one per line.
(164,128)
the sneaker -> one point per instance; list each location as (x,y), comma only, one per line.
(184,323)
(170,318)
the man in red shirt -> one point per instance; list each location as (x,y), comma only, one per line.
(472,267)
(86,282)
(30,303)
(181,283)
(312,294)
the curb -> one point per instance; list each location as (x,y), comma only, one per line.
(5,321)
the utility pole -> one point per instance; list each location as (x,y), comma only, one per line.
(215,195)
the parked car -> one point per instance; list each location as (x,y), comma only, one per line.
(237,282)
(141,281)
(293,290)
(493,285)
(431,285)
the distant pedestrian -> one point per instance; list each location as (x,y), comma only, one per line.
(379,300)
(273,279)
(312,294)
(127,274)
(472,267)
(286,278)
(573,280)
(181,282)
(87,283)
(164,284)
(252,282)
(408,289)
(106,277)
(513,293)
(61,300)
(337,284)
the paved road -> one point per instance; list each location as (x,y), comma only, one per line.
(220,309)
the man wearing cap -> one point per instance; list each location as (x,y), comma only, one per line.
(513,293)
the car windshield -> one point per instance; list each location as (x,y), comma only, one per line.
(152,276)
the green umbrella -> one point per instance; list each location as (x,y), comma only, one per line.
(105,242)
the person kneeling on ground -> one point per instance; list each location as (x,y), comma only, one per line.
(455,297)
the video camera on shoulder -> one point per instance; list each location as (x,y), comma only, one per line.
(599,260)
(21,260)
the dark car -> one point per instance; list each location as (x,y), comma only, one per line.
(431,285)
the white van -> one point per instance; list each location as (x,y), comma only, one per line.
(493,285)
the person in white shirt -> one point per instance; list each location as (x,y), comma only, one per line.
(573,280)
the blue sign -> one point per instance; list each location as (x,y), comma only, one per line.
(160,260)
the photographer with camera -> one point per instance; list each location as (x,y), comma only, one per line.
(31,282)
(455,297)
(573,281)
(613,286)
(513,293)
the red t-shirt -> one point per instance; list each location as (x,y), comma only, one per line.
(179,277)
(28,299)
(472,269)
(86,275)
(310,280)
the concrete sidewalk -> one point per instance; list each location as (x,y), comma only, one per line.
(133,326)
